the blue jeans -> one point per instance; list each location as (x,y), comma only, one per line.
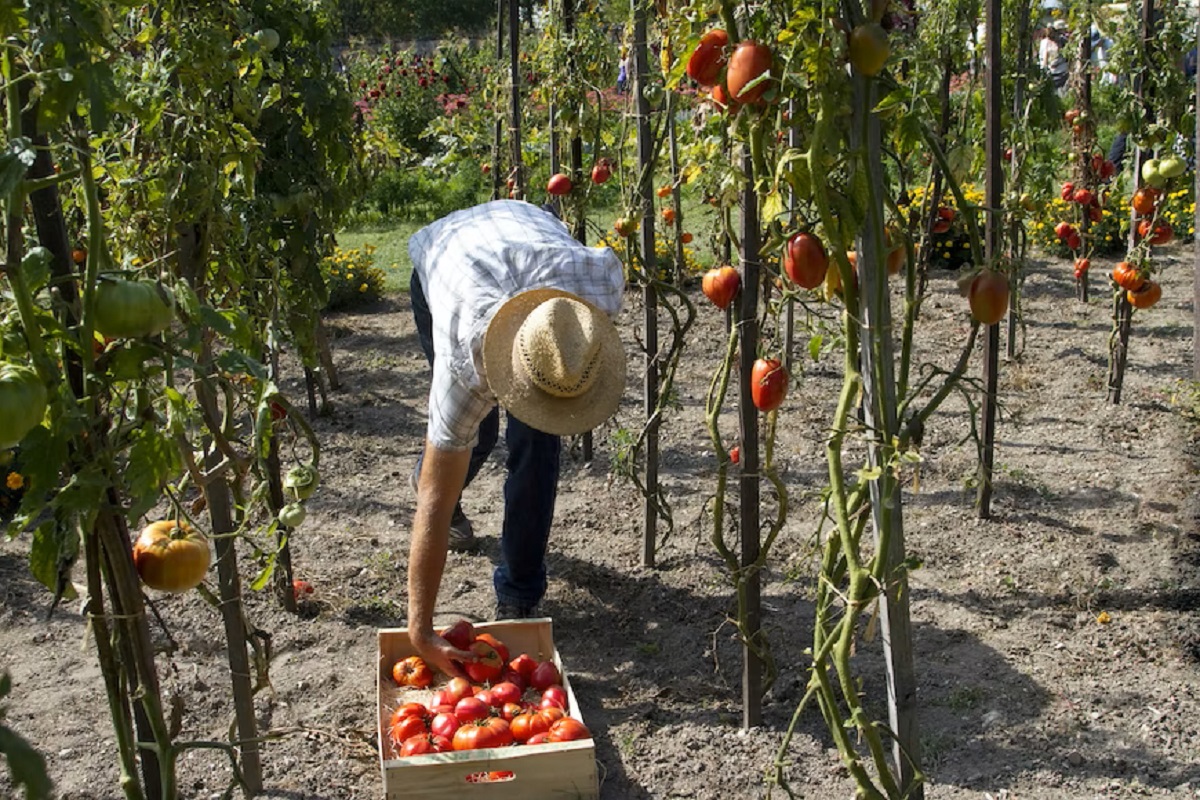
(533,464)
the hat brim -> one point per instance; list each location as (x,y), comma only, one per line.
(561,416)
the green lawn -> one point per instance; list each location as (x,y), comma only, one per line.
(391,250)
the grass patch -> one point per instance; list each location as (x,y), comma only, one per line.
(391,250)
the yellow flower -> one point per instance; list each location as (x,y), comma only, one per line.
(362,288)
(349,276)
(15,481)
(1103,618)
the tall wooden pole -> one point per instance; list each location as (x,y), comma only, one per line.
(1196,240)
(645,147)
(514,122)
(1122,308)
(1024,52)
(994,192)
(747,320)
(498,133)
(1085,105)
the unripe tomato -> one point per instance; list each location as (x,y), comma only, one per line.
(22,403)
(292,515)
(768,384)
(708,59)
(302,480)
(132,309)
(869,49)
(749,62)
(171,556)
(625,226)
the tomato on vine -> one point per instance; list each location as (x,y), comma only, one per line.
(768,384)
(171,556)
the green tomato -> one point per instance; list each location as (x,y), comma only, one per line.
(1172,166)
(132,309)
(292,515)
(1152,175)
(267,38)
(302,480)
(22,403)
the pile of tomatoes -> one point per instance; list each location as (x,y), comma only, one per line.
(517,701)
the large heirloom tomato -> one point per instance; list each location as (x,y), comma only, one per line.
(720,285)
(749,62)
(531,723)
(412,671)
(22,403)
(131,309)
(568,729)
(171,556)
(708,59)
(481,734)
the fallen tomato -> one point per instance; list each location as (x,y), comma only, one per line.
(301,588)
(171,556)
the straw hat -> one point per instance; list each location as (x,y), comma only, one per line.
(554,361)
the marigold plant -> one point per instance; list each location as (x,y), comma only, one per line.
(352,278)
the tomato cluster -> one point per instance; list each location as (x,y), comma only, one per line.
(518,701)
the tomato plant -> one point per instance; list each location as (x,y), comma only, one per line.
(171,556)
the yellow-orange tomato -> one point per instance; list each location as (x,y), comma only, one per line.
(1128,277)
(668,214)
(1145,297)
(412,671)
(171,556)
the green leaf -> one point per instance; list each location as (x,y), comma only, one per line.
(869,474)
(814,347)
(25,765)
(55,548)
(153,461)
(14,163)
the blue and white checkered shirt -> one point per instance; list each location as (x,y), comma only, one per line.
(472,261)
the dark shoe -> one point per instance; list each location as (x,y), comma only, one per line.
(506,611)
(462,532)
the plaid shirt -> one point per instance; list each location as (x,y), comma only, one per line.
(472,261)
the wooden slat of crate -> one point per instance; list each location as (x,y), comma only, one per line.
(566,769)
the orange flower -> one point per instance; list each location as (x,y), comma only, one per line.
(15,481)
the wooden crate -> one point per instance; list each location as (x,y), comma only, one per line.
(565,769)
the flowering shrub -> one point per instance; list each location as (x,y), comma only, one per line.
(1110,234)
(352,278)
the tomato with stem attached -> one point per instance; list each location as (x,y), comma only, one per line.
(708,59)
(768,384)
(412,671)
(171,556)
(482,734)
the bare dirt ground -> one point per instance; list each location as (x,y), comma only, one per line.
(1024,694)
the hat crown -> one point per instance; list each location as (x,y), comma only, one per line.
(558,347)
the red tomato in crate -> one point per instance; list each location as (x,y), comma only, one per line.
(412,671)
(482,734)
(531,723)
(523,665)
(407,727)
(504,693)
(424,744)
(460,634)
(444,725)
(470,709)
(488,664)
(500,646)
(545,675)
(554,696)
(568,729)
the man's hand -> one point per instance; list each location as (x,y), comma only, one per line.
(439,653)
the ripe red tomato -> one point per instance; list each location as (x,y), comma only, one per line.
(482,734)
(486,168)
(460,634)
(1063,230)
(512,676)
(768,384)
(1144,200)
(171,556)
(405,728)
(545,675)
(708,59)
(1083,196)
(735,454)
(531,723)
(1068,191)
(1074,241)
(1161,233)
(423,744)
(805,260)
(500,646)
(748,63)
(869,48)
(601,172)
(409,710)
(988,297)
(444,725)
(554,696)
(1128,277)
(721,285)
(558,185)
(1082,265)
(945,218)
(301,588)
(721,97)
(504,693)
(471,708)
(686,238)
(510,710)
(412,671)
(487,665)
(79,255)
(523,665)
(668,215)
(568,729)
(538,738)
